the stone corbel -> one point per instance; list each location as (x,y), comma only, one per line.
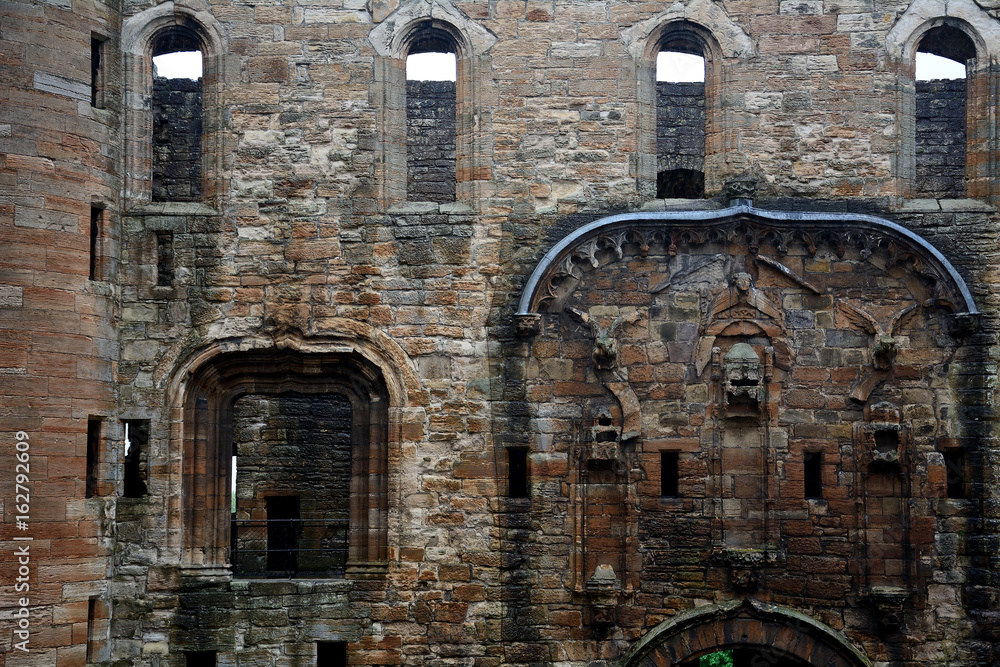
(603,589)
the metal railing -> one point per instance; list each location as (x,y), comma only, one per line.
(287,548)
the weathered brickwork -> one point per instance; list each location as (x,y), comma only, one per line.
(177,128)
(430,141)
(808,347)
(940,120)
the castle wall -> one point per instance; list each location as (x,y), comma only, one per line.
(303,240)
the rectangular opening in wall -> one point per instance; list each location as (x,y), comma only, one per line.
(282,533)
(91,630)
(164,259)
(331,654)
(955,472)
(96,214)
(517,472)
(812,474)
(669,474)
(97,69)
(199,659)
(136,453)
(93,454)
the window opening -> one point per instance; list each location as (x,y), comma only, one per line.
(431,101)
(97,69)
(199,659)
(91,629)
(177,116)
(165,259)
(680,123)
(331,654)
(669,475)
(293,469)
(812,474)
(517,472)
(96,214)
(941,113)
(136,463)
(955,472)
(93,455)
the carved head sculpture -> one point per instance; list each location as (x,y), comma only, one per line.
(743,378)
(883,352)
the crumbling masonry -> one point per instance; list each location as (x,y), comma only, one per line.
(554,364)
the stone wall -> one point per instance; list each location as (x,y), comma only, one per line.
(305,253)
(941,121)
(177,130)
(430,141)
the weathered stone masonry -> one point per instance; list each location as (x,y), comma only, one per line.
(808,346)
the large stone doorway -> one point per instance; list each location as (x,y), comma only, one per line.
(747,633)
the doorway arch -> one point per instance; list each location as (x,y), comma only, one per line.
(750,628)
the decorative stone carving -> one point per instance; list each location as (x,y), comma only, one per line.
(883,350)
(605,357)
(603,588)
(743,379)
(880,439)
(888,602)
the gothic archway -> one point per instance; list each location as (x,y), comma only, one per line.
(752,629)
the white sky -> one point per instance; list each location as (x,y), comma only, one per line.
(180,65)
(679,67)
(670,66)
(430,67)
(930,66)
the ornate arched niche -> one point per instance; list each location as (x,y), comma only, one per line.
(777,635)
(711,357)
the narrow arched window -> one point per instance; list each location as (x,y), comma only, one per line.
(431,101)
(941,112)
(177,103)
(680,122)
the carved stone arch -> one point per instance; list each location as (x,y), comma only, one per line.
(139,34)
(902,39)
(732,41)
(770,628)
(368,368)
(391,38)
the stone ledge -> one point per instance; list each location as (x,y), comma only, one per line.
(172,208)
(422,207)
(944,205)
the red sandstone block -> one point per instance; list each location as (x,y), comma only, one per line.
(469,593)
(454,572)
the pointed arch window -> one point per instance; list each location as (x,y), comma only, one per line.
(680,119)
(431,103)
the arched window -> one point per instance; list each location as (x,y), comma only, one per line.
(416,112)
(941,112)
(177,103)
(431,77)
(680,147)
(680,120)
(174,64)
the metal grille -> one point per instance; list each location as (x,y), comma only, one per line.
(286,548)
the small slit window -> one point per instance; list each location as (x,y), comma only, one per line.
(812,474)
(680,121)
(941,112)
(97,72)
(136,457)
(431,101)
(669,475)
(164,259)
(177,116)
(96,245)
(955,472)
(93,456)
(517,472)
